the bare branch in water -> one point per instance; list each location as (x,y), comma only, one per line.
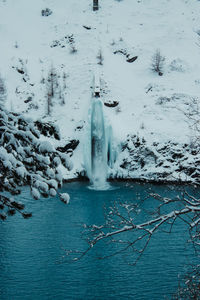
(122,228)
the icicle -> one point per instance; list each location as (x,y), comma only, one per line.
(110,151)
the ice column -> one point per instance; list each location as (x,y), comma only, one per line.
(98,145)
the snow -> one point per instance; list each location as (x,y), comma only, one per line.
(46,147)
(53,183)
(7,164)
(150,106)
(56,161)
(66,161)
(21,171)
(35,193)
(59,176)
(65,198)
(43,186)
(52,192)
(7,158)
(50,173)
(3,154)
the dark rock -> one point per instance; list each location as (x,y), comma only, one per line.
(194,152)
(137,143)
(163,149)
(112,104)
(180,168)
(121,51)
(20,71)
(87,27)
(142,163)
(22,122)
(79,128)
(191,170)
(124,146)
(47,129)
(132,59)
(149,89)
(143,140)
(124,164)
(177,156)
(70,146)
(28,100)
(196,175)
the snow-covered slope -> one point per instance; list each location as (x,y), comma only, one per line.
(150,106)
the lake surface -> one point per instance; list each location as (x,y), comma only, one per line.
(31,250)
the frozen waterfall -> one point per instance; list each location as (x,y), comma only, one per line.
(99,154)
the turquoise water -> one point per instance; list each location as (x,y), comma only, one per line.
(30,250)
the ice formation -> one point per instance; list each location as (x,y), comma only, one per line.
(99,154)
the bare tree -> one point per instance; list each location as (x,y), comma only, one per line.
(50,89)
(52,81)
(55,89)
(71,41)
(157,62)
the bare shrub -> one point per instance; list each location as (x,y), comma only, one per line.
(71,41)
(51,87)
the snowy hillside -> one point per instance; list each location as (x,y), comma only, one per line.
(70,41)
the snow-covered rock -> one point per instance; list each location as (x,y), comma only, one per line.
(64,197)
(160,162)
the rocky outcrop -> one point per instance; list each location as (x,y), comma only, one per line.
(161,162)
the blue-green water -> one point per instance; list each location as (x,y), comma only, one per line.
(30,250)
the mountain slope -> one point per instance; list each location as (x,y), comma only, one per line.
(150,106)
